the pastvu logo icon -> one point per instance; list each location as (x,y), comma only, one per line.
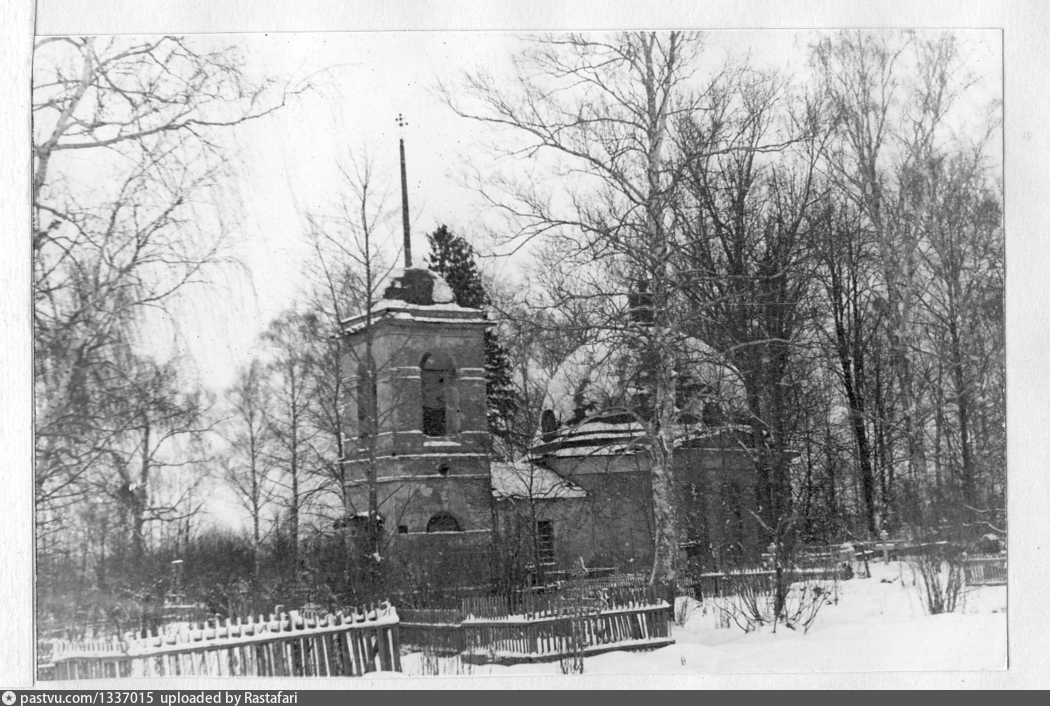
(9,698)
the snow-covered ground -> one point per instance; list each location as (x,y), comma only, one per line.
(878,624)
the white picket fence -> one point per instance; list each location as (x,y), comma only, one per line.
(351,643)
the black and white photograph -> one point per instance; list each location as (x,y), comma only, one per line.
(487,354)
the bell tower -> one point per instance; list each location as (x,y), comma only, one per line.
(416,433)
(427,400)
(416,430)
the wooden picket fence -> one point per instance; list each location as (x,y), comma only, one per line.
(486,631)
(88,659)
(350,643)
(553,638)
(987,570)
(755,581)
(619,590)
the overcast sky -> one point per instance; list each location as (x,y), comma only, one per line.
(287,163)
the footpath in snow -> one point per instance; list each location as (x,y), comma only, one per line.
(878,624)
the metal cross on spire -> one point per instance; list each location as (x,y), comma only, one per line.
(402,124)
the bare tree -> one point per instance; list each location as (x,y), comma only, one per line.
(160,415)
(350,269)
(289,368)
(610,135)
(127,166)
(844,248)
(892,98)
(963,253)
(143,490)
(745,275)
(249,465)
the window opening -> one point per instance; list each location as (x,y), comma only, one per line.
(366,402)
(436,377)
(443,522)
(545,542)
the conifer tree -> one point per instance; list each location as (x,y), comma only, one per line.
(453,258)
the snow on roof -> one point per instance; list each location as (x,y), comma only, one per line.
(612,432)
(594,371)
(721,437)
(616,432)
(591,368)
(385,304)
(419,285)
(610,450)
(427,313)
(520,479)
(416,293)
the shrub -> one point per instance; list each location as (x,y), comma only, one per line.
(794,604)
(683,608)
(940,579)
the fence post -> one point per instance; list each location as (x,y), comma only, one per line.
(884,546)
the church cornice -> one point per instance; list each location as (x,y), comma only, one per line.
(443,454)
(420,477)
(398,313)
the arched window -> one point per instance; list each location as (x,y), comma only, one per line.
(367,413)
(438,380)
(443,522)
(549,425)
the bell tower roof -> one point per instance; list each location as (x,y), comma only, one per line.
(416,285)
(415,294)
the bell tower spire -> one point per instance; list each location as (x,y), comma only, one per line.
(402,124)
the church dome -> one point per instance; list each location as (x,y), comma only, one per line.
(613,432)
(419,286)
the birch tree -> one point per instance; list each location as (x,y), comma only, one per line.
(350,269)
(127,171)
(963,254)
(249,466)
(290,379)
(861,74)
(892,99)
(596,112)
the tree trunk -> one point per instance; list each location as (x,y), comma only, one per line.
(662,423)
(138,500)
(293,511)
(858,423)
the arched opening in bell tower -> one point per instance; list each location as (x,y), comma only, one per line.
(366,394)
(438,382)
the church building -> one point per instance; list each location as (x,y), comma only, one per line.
(419,441)
(420,456)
